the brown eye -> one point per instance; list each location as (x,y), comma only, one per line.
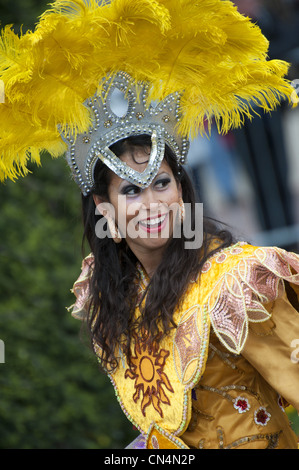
(162,183)
(130,190)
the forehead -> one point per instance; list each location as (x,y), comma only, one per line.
(137,158)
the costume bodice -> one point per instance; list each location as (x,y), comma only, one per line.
(169,384)
(234,407)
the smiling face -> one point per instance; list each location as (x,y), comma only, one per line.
(145,216)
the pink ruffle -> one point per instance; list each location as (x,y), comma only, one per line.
(240,294)
(81,289)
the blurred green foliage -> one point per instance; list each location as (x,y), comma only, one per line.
(23,13)
(53,394)
(294,419)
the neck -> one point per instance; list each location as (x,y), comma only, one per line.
(149,259)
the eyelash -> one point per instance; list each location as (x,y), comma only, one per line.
(127,189)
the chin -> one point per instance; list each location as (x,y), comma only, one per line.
(150,243)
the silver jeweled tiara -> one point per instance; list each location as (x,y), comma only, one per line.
(159,121)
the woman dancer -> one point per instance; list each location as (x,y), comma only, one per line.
(198,332)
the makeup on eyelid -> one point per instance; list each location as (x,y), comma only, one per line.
(126,188)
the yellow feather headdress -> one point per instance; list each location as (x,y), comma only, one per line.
(205,50)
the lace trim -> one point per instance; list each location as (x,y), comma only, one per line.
(238,297)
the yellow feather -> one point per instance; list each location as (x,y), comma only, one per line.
(215,57)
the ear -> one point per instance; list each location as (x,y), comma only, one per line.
(101,204)
(97,199)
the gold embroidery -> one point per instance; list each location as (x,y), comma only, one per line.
(231,294)
(148,372)
(202,415)
(271,439)
(225,357)
(187,343)
(242,289)
(223,391)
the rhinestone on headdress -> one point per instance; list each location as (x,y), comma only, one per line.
(159,121)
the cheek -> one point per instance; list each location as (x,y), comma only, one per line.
(171,195)
(125,211)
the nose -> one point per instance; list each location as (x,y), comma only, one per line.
(150,199)
(148,204)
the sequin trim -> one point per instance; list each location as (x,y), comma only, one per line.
(239,294)
(171,437)
(187,344)
(237,298)
(198,371)
(223,391)
(272,440)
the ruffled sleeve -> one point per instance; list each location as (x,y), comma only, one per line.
(273,349)
(244,286)
(81,289)
(253,307)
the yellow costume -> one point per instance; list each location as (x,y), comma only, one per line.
(180,65)
(222,378)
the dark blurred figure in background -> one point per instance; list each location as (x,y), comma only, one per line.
(261,143)
(279,21)
(263,153)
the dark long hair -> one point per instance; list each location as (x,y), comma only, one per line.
(113,286)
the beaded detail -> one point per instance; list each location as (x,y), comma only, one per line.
(159,122)
(240,403)
(231,291)
(261,416)
(271,440)
(241,290)
(159,438)
(187,343)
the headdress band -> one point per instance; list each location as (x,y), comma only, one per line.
(159,121)
(199,60)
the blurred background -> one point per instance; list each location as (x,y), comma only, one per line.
(250,177)
(52,392)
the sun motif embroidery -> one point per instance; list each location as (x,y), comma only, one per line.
(147,370)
